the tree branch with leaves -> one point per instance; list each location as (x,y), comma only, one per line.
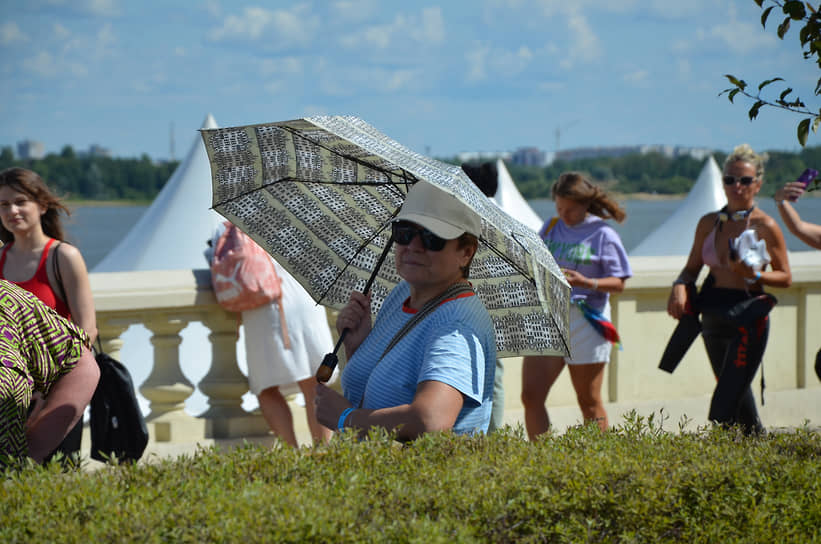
(794,11)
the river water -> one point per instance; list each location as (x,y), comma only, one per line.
(97,229)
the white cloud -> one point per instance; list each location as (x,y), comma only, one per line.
(741,37)
(425,29)
(378,36)
(399,80)
(102,7)
(294,25)
(636,76)
(44,65)
(61,32)
(432,27)
(584,44)
(353,81)
(664,8)
(483,61)
(213,8)
(150,84)
(284,65)
(510,63)
(273,87)
(475,59)
(11,33)
(684,69)
(550,86)
(729,33)
(105,41)
(354,10)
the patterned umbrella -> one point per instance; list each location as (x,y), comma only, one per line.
(319,195)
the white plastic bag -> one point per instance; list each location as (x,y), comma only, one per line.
(751,250)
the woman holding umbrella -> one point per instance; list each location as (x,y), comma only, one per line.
(427,362)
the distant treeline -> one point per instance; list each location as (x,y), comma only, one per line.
(140,179)
(96,178)
(656,173)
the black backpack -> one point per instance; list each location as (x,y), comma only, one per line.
(117,424)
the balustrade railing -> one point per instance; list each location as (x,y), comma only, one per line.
(166,302)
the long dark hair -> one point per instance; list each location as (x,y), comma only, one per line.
(575,186)
(30,183)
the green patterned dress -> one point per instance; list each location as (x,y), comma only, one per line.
(37,347)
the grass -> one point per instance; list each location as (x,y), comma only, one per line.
(635,483)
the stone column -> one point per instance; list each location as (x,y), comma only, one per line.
(166,387)
(225,384)
(109,331)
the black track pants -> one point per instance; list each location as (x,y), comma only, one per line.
(735,353)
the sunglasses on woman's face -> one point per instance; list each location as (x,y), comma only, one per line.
(743,180)
(403,233)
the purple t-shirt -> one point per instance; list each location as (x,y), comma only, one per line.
(592,248)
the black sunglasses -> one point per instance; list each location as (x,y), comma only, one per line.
(403,233)
(743,180)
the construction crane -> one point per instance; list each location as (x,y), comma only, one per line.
(559,129)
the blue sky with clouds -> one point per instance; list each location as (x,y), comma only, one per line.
(440,77)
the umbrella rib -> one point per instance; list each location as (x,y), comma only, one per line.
(531,280)
(358,250)
(389,173)
(498,253)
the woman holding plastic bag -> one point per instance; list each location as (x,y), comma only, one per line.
(738,243)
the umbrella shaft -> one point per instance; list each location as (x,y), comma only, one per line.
(326,369)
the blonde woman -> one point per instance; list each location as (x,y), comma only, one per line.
(733,305)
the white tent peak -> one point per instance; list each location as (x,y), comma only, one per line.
(172,232)
(209,122)
(511,200)
(675,235)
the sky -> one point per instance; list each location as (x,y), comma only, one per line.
(439,77)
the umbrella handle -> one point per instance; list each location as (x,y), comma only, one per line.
(326,368)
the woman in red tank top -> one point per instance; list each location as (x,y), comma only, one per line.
(32,237)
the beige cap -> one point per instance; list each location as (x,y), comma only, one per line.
(439,211)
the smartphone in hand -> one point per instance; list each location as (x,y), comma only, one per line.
(806,177)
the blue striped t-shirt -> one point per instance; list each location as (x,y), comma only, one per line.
(455,344)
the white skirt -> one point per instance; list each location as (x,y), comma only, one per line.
(587,345)
(269,362)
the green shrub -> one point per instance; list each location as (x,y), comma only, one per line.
(635,483)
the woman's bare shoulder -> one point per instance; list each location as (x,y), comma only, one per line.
(69,253)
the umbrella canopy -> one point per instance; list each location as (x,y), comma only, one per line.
(319,195)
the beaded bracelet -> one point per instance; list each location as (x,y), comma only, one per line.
(340,425)
(757,277)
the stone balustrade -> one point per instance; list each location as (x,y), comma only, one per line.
(166,302)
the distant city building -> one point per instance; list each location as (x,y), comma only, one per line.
(670,151)
(533,156)
(673,151)
(30,149)
(95,150)
(529,156)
